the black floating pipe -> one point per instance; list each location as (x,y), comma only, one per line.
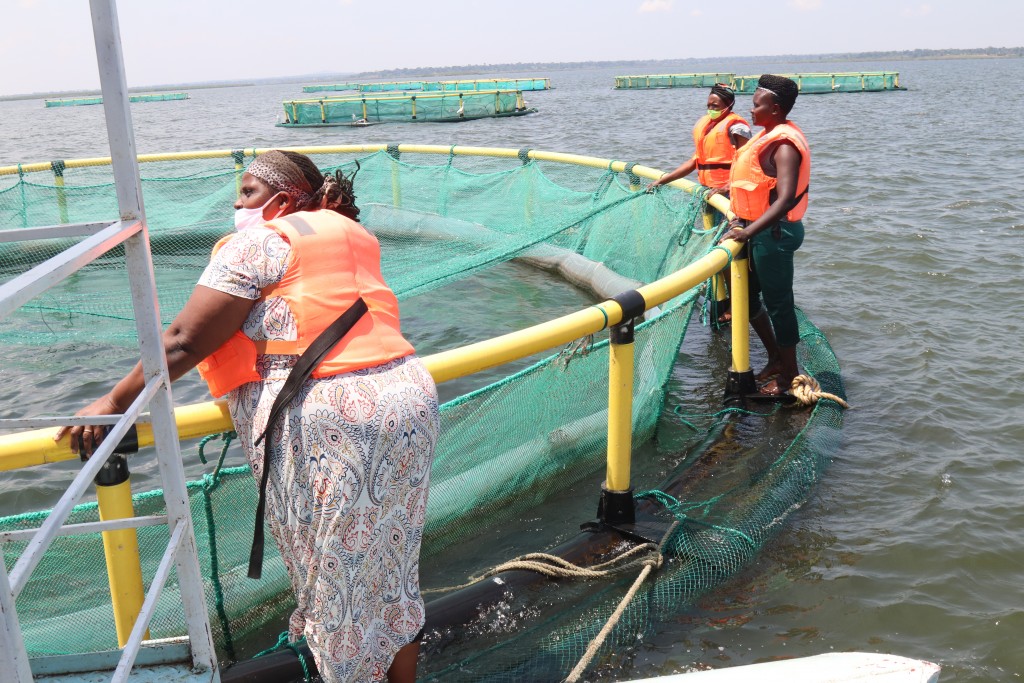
(596,542)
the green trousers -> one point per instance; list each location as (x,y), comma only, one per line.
(771,278)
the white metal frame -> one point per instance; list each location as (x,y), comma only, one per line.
(130,230)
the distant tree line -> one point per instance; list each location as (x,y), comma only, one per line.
(647,64)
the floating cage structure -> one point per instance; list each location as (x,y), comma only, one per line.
(671,81)
(151,97)
(330,87)
(438,86)
(442,213)
(362,110)
(814,83)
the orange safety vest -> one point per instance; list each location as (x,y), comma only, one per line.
(750,187)
(333,262)
(715,151)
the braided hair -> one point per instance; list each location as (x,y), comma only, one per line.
(336,187)
(783,89)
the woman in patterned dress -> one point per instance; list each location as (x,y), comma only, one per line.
(349,460)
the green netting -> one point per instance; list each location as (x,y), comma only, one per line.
(814,83)
(704,80)
(503,449)
(738,491)
(325,87)
(154,97)
(340,111)
(455,86)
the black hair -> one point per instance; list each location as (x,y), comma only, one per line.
(337,187)
(784,89)
(724,92)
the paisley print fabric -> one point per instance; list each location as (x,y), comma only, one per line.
(350,470)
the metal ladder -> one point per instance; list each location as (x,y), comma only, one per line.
(98,238)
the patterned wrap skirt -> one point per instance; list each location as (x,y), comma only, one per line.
(346,503)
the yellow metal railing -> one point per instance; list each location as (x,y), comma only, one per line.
(37,447)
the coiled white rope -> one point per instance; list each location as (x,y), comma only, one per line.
(807,391)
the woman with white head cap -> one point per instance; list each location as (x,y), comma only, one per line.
(716,137)
(293,322)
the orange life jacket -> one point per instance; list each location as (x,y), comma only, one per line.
(715,151)
(750,187)
(333,261)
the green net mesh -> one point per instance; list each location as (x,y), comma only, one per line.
(704,80)
(440,106)
(440,220)
(453,86)
(869,81)
(150,97)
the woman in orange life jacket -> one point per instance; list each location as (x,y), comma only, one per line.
(716,137)
(768,193)
(346,463)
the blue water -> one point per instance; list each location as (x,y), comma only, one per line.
(913,543)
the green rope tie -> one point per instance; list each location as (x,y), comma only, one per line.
(679,510)
(604,313)
(720,413)
(283,644)
(210,483)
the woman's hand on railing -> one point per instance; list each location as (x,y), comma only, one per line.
(86,438)
(736,232)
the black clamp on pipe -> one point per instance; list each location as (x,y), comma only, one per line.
(58,167)
(115,470)
(524,155)
(616,507)
(238,156)
(392,150)
(633,306)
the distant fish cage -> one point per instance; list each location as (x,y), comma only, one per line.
(671,81)
(326,87)
(810,83)
(362,110)
(79,101)
(478,84)
(813,83)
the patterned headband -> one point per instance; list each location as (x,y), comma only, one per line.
(281,173)
(761,87)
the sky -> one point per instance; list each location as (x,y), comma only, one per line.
(46,45)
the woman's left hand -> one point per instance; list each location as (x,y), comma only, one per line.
(86,438)
(736,233)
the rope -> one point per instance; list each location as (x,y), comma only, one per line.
(556,567)
(283,644)
(210,483)
(808,392)
(613,620)
(597,642)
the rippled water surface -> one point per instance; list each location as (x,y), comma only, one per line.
(914,541)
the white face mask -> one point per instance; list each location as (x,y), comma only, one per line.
(252,218)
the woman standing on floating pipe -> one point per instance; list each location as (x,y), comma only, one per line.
(768,193)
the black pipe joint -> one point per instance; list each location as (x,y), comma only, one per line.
(113,472)
(616,507)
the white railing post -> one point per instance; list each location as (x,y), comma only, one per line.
(125,166)
(13,658)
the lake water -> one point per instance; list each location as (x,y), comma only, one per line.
(913,543)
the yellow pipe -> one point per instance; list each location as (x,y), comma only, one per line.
(36,447)
(620,415)
(740,307)
(121,548)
